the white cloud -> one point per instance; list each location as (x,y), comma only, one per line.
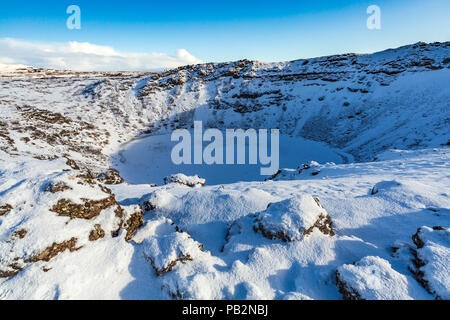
(84,56)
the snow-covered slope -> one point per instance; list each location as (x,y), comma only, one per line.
(360,104)
(7,69)
(71,228)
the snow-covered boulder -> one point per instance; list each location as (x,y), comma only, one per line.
(432,260)
(200,206)
(408,193)
(159,200)
(165,247)
(385,186)
(372,278)
(192,182)
(292,219)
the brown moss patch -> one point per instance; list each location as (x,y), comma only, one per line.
(41,115)
(86,178)
(14,269)
(324,224)
(133,223)
(8,274)
(119,212)
(57,130)
(45,158)
(55,249)
(71,163)
(97,233)
(57,187)
(110,177)
(8,144)
(5,209)
(88,210)
(20,234)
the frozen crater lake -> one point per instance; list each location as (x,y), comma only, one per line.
(148,160)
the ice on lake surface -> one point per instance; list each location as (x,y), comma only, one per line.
(148,160)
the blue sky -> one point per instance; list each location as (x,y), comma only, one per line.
(230,30)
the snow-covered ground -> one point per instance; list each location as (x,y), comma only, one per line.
(360,210)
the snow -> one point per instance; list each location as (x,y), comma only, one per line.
(373,278)
(239,265)
(366,135)
(164,247)
(194,181)
(6,68)
(159,200)
(291,218)
(435,254)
